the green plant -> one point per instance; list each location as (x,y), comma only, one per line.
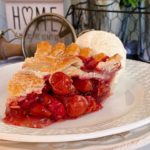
(132,3)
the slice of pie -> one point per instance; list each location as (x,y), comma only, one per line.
(59,83)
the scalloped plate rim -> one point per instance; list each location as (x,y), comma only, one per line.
(73,137)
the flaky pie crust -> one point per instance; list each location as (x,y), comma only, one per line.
(47,60)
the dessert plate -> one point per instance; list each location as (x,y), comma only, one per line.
(126,109)
(134,139)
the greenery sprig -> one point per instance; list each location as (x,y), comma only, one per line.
(132,3)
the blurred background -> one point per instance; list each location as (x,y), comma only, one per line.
(128,19)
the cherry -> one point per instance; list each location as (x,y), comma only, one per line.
(53,105)
(15,112)
(89,64)
(76,106)
(83,85)
(46,99)
(57,109)
(28,101)
(39,110)
(92,105)
(61,83)
(103,89)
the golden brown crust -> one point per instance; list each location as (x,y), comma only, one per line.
(65,62)
(85,52)
(24,82)
(72,49)
(43,49)
(115,57)
(113,63)
(49,59)
(58,50)
(51,65)
(99,57)
(37,64)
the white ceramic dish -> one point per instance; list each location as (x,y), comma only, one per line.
(126,109)
(132,140)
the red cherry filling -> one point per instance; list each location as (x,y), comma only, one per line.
(55,107)
(63,97)
(89,64)
(92,105)
(20,117)
(101,89)
(39,110)
(28,101)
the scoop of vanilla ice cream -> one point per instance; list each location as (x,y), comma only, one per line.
(105,42)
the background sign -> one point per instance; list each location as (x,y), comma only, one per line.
(20,13)
(2,15)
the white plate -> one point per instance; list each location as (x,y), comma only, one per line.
(126,109)
(125,141)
